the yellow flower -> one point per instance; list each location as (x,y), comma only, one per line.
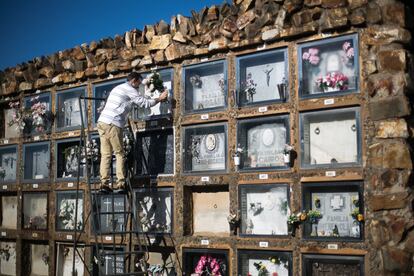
(273,260)
(360,217)
(303,216)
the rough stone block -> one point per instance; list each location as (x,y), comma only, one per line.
(46,71)
(218,44)
(396,128)
(179,37)
(333,3)
(391,178)
(394,13)
(392,60)
(388,201)
(245,19)
(385,34)
(128,54)
(379,233)
(160,42)
(396,260)
(393,154)
(42,83)
(24,86)
(358,16)
(391,107)
(271,34)
(353,4)
(113,66)
(312,3)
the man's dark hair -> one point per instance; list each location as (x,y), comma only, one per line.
(134,76)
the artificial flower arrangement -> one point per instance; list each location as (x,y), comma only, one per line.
(314,216)
(6,252)
(287,152)
(357,216)
(152,83)
(45,258)
(294,220)
(249,87)
(2,173)
(237,155)
(155,270)
(36,222)
(196,81)
(262,269)
(67,215)
(334,80)
(234,222)
(209,266)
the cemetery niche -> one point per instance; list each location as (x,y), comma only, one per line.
(36,259)
(330,138)
(67,158)
(330,265)
(154,153)
(64,259)
(264,209)
(7,258)
(205,148)
(112,264)
(328,66)
(35,211)
(262,142)
(65,211)
(38,115)
(8,211)
(93,154)
(262,263)
(36,162)
(68,109)
(159,110)
(11,120)
(336,211)
(154,210)
(261,78)
(102,90)
(203,262)
(161,261)
(8,164)
(108,222)
(205,86)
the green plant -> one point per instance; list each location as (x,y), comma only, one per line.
(314,216)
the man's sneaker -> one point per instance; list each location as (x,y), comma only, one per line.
(104,188)
(120,189)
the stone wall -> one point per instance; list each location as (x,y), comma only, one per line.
(386,94)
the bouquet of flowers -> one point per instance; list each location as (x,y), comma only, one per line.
(349,53)
(356,215)
(67,214)
(261,269)
(249,87)
(311,56)
(209,266)
(314,216)
(17,117)
(152,83)
(335,80)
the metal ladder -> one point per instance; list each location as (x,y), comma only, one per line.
(124,260)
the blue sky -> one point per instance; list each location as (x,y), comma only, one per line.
(31,28)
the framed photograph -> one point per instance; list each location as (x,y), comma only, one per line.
(36,162)
(10,120)
(102,90)
(64,259)
(328,66)
(8,164)
(68,109)
(161,261)
(315,265)
(35,211)
(205,86)
(65,211)
(264,209)
(107,204)
(154,209)
(262,77)
(159,110)
(36,259)
(202,261)
(330,138)
(210,210)
(260,262)
(67,159)
(113,264)
(7,258)
(263,142)
(205,148)
(40,117)
(154,153)
(8,212)
(337,210)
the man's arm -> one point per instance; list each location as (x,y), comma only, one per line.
(144,102)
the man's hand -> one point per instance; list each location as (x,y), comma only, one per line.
(163,96)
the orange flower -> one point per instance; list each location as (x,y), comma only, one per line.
(303,216)
(360,217)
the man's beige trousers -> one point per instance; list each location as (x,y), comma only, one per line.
(111,141)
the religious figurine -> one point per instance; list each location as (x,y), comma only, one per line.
(267,72)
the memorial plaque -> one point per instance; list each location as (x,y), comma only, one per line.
(68,109)
(155,152)
(40,119)
(262,77)
(162,109)
(113,264)
(8,166)
(35,211)
(67,159)
(36,162)
(64,260)
(339,205)
(205,148)
(8,131)
(66,206)
(210,211)
(328,66)
(7,258)
(205,86)
(108,222)
(258,263)
(161,263)
(263,142)
(330,138)
(333,265)
(102,90)
(264,209)
(205,261)
(154,209)
(8,212)
(35,259)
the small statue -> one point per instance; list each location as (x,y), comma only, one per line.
(267,72)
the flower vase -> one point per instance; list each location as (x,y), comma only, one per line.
(286,158)
(236,160)
(330,89)
(314,230)
(281,87)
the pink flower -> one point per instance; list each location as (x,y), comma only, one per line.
(350,53)
(305,56)
(346,45)
(313,51)
(314,60)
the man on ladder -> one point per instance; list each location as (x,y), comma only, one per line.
(111,123)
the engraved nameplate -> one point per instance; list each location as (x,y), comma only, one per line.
(71,133)
(263,176)
(263,109)
(152,240)
(328,101)
(330,173)
(36,138)
(264,244)
(3,234)
(204,59)
(204,116)
(4,187)
(35,235)
(205,178)
(70,184)
(108,238)
(205,242)
(5,141)
(69,237)
(333,246)
(35,186)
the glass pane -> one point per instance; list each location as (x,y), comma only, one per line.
(264,209)
(66,205)
(8,159)
(64,260)
(205,262)
(205,148)
(9,212)
(102,91)
(262,77)
(332,265)
(8,258)
(35,211)
(36,161)
(11,129)
(109,222)
(154,208)
(39,116)
(39,263)
(258,263)
(205,86)
(68,108)
(329,65)
(113,264)
(67,159)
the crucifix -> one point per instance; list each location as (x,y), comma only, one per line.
(267,72)
(337,202)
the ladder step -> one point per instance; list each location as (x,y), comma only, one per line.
(127,274)
(115,213)
(106,253)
